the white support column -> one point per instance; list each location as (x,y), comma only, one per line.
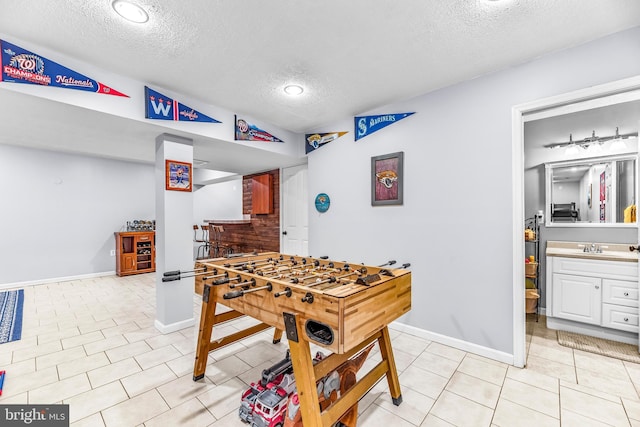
(174,242)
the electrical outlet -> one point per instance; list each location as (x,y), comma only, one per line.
(113,252)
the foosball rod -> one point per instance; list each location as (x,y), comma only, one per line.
(251,282)
(240,254)
(174,277)
(337,280)
(179,272)
(241,292)
(226,280)
(252,263)
(215,276)
(390,262)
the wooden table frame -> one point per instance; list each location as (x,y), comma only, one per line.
(306,373)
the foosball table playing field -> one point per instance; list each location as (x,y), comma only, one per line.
(339,306)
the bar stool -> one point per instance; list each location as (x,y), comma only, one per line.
(219,248)
(207,243)
(201,242)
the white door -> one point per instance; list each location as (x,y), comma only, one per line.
(295,211)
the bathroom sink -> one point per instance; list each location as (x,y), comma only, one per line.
(604,251)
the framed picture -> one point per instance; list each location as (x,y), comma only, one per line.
(178,175)
(386,179)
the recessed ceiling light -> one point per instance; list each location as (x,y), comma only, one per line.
(293,90)
(130,11)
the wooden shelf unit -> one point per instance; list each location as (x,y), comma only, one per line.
(135,252)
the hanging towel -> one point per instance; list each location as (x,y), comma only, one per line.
(630,214)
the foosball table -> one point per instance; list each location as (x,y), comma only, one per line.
(339,306)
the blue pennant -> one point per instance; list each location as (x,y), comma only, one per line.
(366,125)
(160,107)
(22,66)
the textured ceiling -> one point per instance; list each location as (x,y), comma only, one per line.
(352,56)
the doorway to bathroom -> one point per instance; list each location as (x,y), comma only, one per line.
(536,126)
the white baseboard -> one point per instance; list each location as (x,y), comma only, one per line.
(454,342)
(54,280)
(167,329)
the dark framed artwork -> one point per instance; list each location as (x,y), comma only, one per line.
(387,174)
(178,175)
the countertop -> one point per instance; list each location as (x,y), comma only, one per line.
(610,251)
(227,221)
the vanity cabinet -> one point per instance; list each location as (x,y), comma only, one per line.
(596,292)
(620,305)
(577,298)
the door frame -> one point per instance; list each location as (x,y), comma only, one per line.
(579,100)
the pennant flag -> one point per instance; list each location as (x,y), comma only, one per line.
(22,66)
(317,140)
(160,107)
(248,132)
(366,125)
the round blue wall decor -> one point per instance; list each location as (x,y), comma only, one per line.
(322,202)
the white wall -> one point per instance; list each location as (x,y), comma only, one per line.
(59,212)
(455,226)
(222,200)
(567,192)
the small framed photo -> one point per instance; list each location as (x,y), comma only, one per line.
(387,174)
(178,176)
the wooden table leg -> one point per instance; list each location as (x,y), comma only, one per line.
(277,335)
(303,370)
(392,375)
(207,319)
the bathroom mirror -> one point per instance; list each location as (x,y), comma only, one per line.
(592,192)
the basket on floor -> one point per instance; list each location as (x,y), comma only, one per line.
(532,297)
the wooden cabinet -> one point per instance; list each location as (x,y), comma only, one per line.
(135,252)
(262,194)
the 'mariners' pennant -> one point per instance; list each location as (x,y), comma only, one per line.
(22,66)
(317,140)
(366,125)
(160,107)
(246,131)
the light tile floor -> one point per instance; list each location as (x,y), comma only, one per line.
(91,343)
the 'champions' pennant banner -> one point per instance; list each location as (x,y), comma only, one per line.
(160,107)
(317,140)
(366,125)
(248,132)
(22,66)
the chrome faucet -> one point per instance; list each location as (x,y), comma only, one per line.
(592,248)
